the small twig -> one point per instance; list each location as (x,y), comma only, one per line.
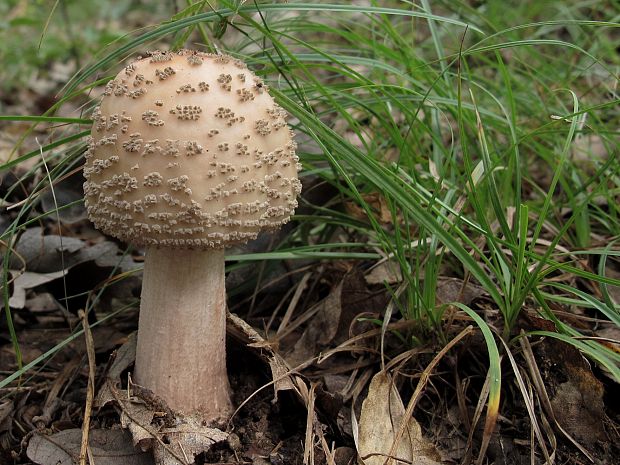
(90,389)
(309,439)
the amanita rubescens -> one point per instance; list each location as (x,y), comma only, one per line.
(189,154)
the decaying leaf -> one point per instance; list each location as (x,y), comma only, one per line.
(45,253)
(136,417)
(578,403)
(187,439)
(381,418)
(455,290)
(331,323)
(67,192)
(377,202)
(7,408)
(321,329)
(42,259)
(28,280)
(124,357)
(108,447)
(50,253)
(386,272)
(41,302)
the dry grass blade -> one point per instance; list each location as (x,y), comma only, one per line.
(484,394)
(310,419)
(424,378)
(90,389)
(529,404)
(293,303)
(351,344)
(329,453)
(542,392)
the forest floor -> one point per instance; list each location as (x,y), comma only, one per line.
(362,337)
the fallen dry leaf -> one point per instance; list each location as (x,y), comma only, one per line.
(377,203)
(68,191)
(49,253)
(332,321)
(29,280)
(187,439)
(108,447)
(283,379)
(579,407)
(7,409)
(455,290)
(321,330)
(385,272)
(380,420)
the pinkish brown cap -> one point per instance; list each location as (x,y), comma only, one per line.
(189,150)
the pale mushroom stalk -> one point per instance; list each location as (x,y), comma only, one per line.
(181,352)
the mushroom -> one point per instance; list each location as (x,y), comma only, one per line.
(189,154)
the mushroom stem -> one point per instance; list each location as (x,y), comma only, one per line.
(181,350)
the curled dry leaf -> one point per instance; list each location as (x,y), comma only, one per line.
(381,418)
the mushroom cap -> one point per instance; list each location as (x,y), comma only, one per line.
(188,150)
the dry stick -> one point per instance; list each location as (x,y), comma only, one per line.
(308,442)
(90,389)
